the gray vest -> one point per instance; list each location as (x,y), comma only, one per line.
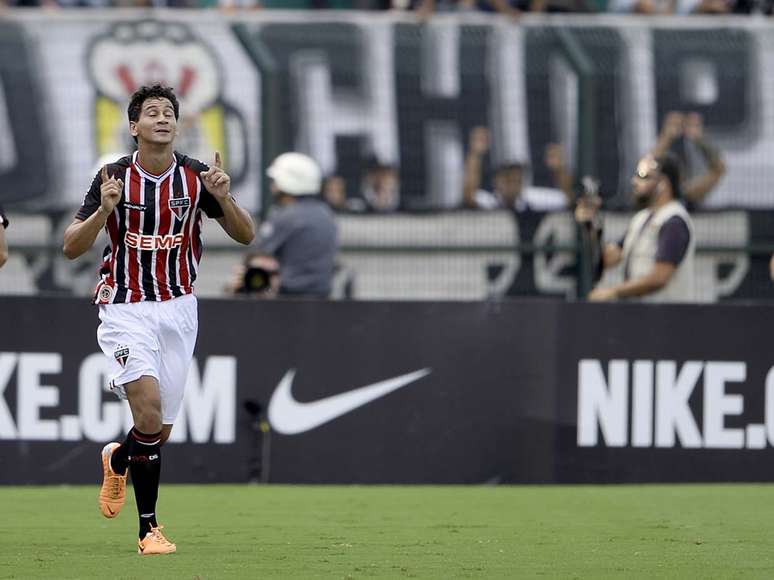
(639,254)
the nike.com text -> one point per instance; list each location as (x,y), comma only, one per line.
(208,412)
(646,403)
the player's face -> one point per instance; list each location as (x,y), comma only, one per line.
(157,123)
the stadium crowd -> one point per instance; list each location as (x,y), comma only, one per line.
(425,8)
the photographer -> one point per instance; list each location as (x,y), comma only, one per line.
(657,252)
(301,230)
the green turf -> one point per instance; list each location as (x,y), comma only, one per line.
(711,531)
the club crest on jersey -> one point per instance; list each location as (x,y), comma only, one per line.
(122,355)
(105,294)
(179,206)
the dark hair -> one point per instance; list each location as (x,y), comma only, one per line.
(512,166)
(144,93)
(373,163)
(669,166)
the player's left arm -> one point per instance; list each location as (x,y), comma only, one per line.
(236,222)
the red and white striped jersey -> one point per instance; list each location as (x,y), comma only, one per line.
(154,232)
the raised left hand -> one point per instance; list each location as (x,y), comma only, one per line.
(217,181)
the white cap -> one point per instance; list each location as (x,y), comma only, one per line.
(296,174)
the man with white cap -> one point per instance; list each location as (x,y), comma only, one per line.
(301,230)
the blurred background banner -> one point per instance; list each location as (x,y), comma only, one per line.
(72,78)
(382,98)
(410,93)
(345,88)
(592,393)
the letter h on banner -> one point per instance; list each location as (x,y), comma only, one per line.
(442,93)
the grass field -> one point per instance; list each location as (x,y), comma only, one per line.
(710,531)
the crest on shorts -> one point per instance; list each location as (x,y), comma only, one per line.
(121,354)
(179,206)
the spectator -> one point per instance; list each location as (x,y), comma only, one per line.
(684,7)
(658,249)
(334,192)
(512,8)
(554,160)
(381,187)
(379,190)
(713,7)
(425,8)
(301,231)
(687,129)
(643,6)
(508,190)
(3,243)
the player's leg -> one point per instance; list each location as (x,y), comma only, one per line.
(144,459)
(119,461)
(128,335)
(115,466)
(128,341)
(177,339)
(144,448)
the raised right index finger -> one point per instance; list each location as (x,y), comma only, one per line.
(104,174)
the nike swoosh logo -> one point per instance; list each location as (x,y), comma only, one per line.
(290,417)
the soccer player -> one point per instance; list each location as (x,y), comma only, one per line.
(150,204)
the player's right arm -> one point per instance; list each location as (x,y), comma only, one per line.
(80,235)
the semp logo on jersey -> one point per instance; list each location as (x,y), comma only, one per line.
(179,206)
(121,354)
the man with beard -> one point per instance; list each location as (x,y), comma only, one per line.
(657,252)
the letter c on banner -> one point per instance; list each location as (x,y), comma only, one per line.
(99,421)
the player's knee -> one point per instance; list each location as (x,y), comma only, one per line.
(148,420)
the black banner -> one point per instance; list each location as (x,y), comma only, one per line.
(667,393)
(512,392)
(468,416)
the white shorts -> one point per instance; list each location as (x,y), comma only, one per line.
(151,338)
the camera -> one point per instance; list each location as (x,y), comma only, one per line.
(256,280)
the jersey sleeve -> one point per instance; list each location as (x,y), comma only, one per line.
(209,205)
(3,218)
(92,200)
(207,202)
(673,239)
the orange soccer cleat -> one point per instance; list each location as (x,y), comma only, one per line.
(154,542)
(113,491)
